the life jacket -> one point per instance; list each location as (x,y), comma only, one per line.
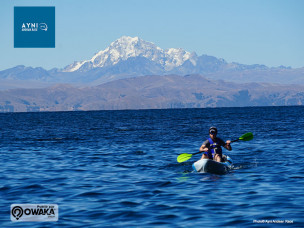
(214,148)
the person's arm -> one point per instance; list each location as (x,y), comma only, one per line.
(204,147)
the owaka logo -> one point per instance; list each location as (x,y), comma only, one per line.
(34,212)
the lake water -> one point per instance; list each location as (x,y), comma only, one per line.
(119,168)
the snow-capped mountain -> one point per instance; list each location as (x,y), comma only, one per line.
(130,57)
(131,47)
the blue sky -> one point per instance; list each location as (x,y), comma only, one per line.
(269,32)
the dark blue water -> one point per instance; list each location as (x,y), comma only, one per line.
(119,169)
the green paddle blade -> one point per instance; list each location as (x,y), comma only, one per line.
(246,137)
(183,157)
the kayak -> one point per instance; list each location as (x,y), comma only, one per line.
(211,166)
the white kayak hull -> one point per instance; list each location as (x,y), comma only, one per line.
(210,166)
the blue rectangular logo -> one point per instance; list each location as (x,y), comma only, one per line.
(34,27)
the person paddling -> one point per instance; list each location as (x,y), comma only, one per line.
(213,146)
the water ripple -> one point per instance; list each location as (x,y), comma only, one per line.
(119,169)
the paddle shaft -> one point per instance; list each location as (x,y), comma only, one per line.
(198,152)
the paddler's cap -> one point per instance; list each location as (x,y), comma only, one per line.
(212,131)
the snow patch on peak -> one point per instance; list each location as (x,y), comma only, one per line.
(74,66)
(126,40)
(176,57)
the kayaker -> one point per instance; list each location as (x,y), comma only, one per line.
(213,146)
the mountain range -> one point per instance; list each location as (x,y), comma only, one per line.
(134,74)
(151,92)
(132,57)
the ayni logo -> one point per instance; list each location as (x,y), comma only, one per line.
(34,27)
(34,212)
